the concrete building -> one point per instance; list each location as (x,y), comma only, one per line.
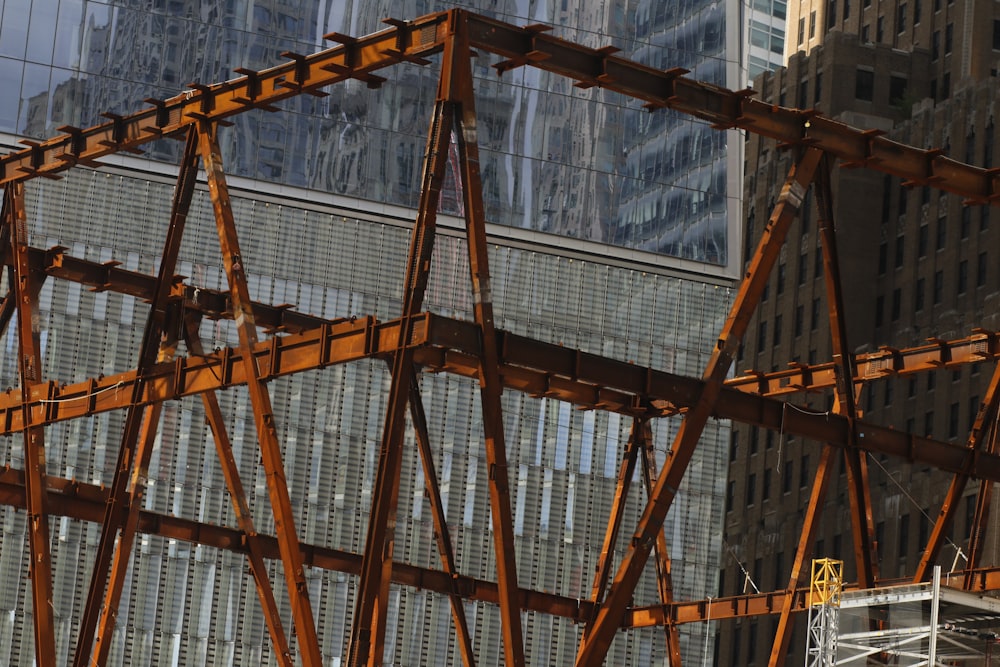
(614,231)
(915,263)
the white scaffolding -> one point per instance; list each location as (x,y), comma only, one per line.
(917,624)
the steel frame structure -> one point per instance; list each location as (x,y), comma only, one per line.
(422,342)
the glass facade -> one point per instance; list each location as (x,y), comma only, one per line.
(586,165)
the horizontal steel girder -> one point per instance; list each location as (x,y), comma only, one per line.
(527,365)
(521,46)
(85,502)
(216,304)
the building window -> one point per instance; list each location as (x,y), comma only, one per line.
(864,85)
(996,35)
(880,29)
(935,45)
(981,270)
(777,330)
(897,297)
(786,478)
(922,241)
(916,12)
(847,9)
(897,90)
(817,87)
(901,18)
(966,224)
(761,336)
(865,34)
(803,103)
(883,257)
(938,287)
(929,423)
(781,279)
(904,536)
(963,276)
(948,34)
(900,247)
(751,489)
(730,492)
(802,30)
(953,420)
(803,268)
(799,317)
(831,14)
(812,24)
(941,234)
(804,470)
(918,295)
(904,194)
(814,316)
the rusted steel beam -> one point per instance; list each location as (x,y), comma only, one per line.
(664,577)
(442,535)
(260,400)
(534,367)
(459,90)
(886,362)
(978,436)
(253,90)
(241,509)
(24,289)
(85,502)
(601,632)
(977,531)
(858,492)
(159,344)
(527,46)
(728,109)
(871,366)
(626,471)
(371,605)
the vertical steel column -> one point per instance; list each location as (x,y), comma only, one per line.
(441,533)
(664,578)
(604,628)
(238,497)
(977,530)
(985,418)
(490,386)
(260,399)
(857,467)
(128,485)
(368,628)
(845,404)
(25,290)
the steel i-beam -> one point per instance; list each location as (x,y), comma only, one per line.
(128,485)
(260,399)
(370,609)
(241,509)
(602,631)
(457,63)
(25,289)
(442,534)
(664,577)
(978,436)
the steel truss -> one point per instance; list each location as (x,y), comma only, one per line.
(421,342)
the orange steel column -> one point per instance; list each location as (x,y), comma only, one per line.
(604,628)
(857,467)
(238,497)
(370,608)
(441,532)
(845,404)
(260,399)
(625,473)
(664,578)
(128,485)
(25,289)
(490,386)
(979,434)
